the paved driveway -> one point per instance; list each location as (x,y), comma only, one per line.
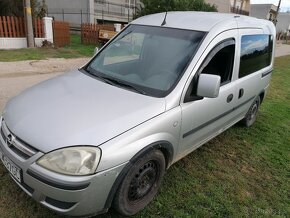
(282,50)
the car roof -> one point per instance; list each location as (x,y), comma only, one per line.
(202,21)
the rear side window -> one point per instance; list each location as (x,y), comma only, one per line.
(256,53)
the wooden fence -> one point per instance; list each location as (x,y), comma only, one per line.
(38,28)
(90,32)
(14,27)
(61,33)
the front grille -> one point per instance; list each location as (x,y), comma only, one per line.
(18,146)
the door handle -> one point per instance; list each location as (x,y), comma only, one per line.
(241,93)
(230,98)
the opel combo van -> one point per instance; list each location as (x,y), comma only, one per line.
(104,135)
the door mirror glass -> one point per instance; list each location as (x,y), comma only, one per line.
(208,85)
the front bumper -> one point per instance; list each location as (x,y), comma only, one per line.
(69,195)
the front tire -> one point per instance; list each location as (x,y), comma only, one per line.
(141,184)
(251,115)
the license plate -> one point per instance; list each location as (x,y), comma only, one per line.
(11,167)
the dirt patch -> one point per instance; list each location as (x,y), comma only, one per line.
(28,68)
(18,76)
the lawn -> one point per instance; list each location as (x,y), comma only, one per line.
(244,172)
(75,50)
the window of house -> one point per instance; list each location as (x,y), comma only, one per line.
(270,17)
(256,53)
(101,1)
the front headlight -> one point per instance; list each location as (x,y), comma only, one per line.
(76,161)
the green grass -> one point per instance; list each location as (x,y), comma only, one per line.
(244,172)
(75,50)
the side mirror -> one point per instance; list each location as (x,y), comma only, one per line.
(96,50)
(208,85)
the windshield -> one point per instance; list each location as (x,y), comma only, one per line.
(146,59)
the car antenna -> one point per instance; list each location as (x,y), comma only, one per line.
(164,21)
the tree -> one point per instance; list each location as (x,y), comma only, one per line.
(11,8)
(42,9)
(157,6)
(15,8)
(38,9)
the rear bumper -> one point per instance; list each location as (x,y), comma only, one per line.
(69,195)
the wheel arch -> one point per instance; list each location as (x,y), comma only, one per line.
(262,96)
(164,146)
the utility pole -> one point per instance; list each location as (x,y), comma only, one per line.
(276,17)
(28,22)
(129,9)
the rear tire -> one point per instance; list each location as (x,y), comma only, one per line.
(141,184)
(251,115)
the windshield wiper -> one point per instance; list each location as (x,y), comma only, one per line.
(98,76)
(120,83)
(114,82)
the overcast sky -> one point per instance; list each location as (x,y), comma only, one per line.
(285,4)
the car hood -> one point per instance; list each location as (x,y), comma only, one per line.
(76,109)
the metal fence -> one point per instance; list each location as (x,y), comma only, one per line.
(115,9)
(103,11)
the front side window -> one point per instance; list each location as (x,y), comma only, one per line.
(222,64)
(256,53)
(148,59)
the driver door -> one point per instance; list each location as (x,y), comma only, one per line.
(203,118)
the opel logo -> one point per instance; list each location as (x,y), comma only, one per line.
(9,139)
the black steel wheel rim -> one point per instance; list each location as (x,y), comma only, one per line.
(143,181)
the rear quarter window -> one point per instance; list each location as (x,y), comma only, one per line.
(256,53)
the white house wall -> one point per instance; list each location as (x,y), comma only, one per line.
(283,23)
(72,11)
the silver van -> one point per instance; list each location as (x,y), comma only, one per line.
(105,134)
